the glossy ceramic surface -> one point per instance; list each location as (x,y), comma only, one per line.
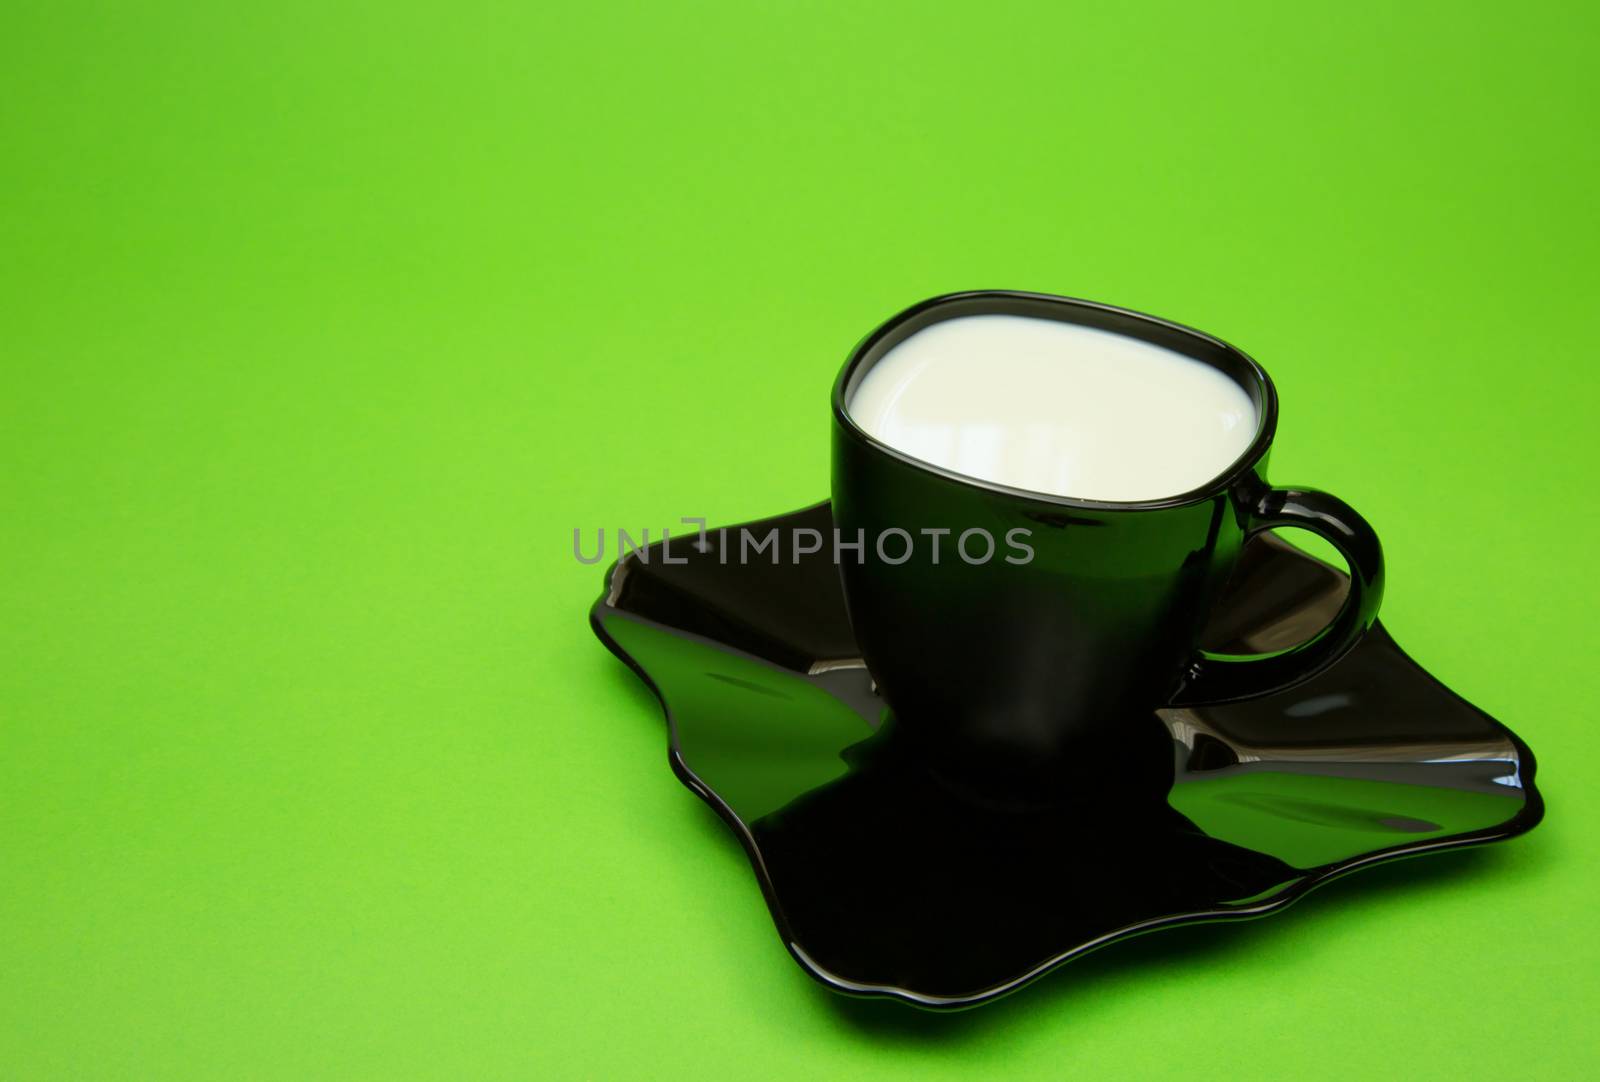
(1005,669)
(884,878)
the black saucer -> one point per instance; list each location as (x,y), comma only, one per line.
(885,879)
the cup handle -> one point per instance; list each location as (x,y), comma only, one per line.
(1219,678)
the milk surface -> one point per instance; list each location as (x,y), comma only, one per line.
(1054,407)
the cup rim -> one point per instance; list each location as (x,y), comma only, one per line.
(1099,314)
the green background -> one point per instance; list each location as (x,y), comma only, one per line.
(323,325)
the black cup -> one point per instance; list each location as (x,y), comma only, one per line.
(1005,669)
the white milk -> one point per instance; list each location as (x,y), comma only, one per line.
(1054,407)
